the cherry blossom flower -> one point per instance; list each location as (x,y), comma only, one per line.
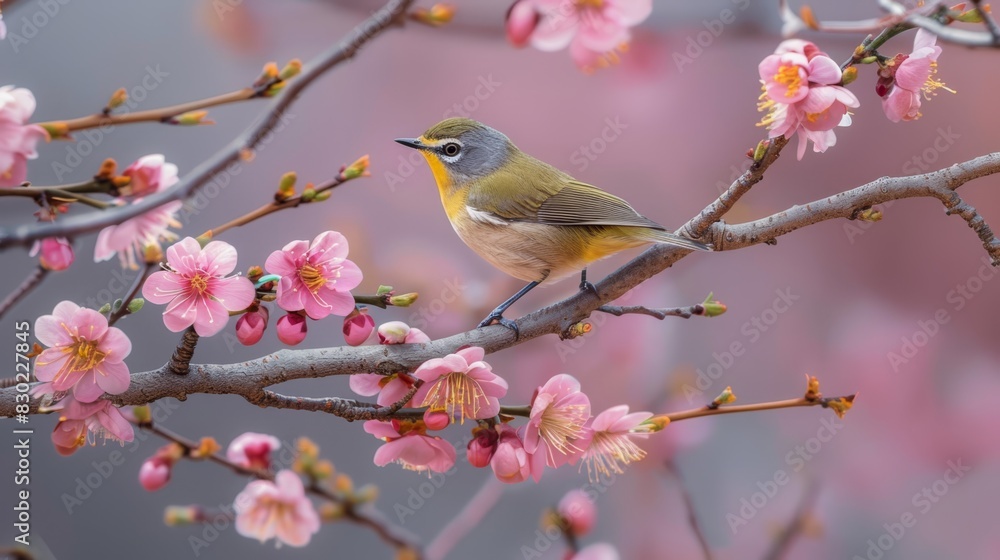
(597,551)
(906,78)
(317,278)
(460,384)
(195,287)
(482,446)
(578,511)
(610,441)
(154,473)
(54,253)
(407,443)
(149,174)
(555,431)
(17,138)
(82,422)
(279,510)
(801,97)
(358,326)
(389,388)
(250,326)
(592,29)
(511,462)
(291,328)
(84,354)
(252,450)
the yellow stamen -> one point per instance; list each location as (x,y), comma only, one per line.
(199,283)
(559,426)
(312,277)
(608,453)
(933,83)
(788,75)
(456,394)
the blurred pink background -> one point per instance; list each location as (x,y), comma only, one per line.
(857,290)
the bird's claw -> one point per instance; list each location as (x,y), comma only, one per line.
(588,287)
(501,320)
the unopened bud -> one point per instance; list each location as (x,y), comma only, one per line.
(56,130)
(107,170)
(365,494)
(182,515)
(869,215)
(657,423)
(357,169)
(292,69)
(135,305)
(713,308)
(191,118)
(286,186)
(403,300)
(812,388)
(849,75)
(725,397)
(841,405)
(152,253)
(118,98)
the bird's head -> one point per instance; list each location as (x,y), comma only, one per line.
(461,150)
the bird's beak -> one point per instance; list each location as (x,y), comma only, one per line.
(412,143)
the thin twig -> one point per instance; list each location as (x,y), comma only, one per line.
(34,278)
(991,24)
(689,506)
(797,526)
(658,312)
(122,311)
(715,410)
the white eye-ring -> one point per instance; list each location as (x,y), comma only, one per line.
(451,149)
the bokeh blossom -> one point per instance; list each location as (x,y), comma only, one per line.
(407,443)
(84,354)
(154,473)
(252,450)
(579,512)
(461,384)
(906,78)
(279,510)
(594,30)
(17,138)
(149,174)
(195,287)
(54,253)
(597,551)
(555,433)
(801,96)
(317,278)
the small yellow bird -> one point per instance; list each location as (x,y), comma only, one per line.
(524,216)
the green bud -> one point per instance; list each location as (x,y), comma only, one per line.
(135,305)
(725,397)
(383,290)
(105,309)
(712,307)
(404,300)
(760,150)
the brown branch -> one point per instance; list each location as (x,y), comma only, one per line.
(988,21)
(248,379)
(34,278)
(798,525)
(122,311)
(715,410)
(180,362)
(391,13)
(348,409)
(689,506)
(657,312)
(369,519)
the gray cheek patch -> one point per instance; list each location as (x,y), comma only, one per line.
(484,152)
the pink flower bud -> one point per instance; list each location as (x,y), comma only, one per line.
(56,253)
(291,329)
(579,512)
(253,450)
(358,326)
(250,326)
(154,473)
(393,332)
(481,448)
(521,22)
(511,463)
(436,419)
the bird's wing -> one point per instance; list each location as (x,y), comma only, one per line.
(580,204)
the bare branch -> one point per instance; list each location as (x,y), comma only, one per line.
(657,312)
(34,278)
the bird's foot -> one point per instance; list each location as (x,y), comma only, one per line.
(498,317)
(588,287)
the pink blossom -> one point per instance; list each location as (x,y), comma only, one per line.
(407,443)
(610,441)
(316,278)
(55,253)
(436,419)
(196,289)
(578,511)
(511,462)
(389,388)
(149,174)
(592,29)
(154,473)
(522,20)
(597,551)
(358,326)
(460,384)
(78,419)
(482,446)
(291,328)
(801,97)
(555,429)
(84,354)
(250,326)
(907,78)
(253,450)
(278,509)
(17,137)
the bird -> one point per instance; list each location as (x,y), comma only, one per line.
(524,216)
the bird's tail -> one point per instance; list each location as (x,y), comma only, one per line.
(658,236)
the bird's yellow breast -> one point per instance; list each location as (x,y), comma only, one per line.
(451,198)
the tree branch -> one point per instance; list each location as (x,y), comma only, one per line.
(393,12)
(34,278)
(248,379)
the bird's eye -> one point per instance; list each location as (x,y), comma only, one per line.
(451,149)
